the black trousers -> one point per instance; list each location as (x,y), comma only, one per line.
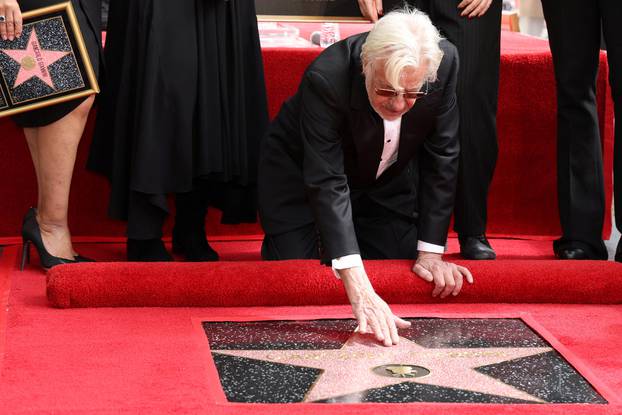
(147,213)
(478,42)
(574,28)
(381,234)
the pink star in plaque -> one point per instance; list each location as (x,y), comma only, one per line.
(360,364)
(34,61)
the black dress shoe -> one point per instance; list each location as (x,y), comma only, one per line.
(147,250)
(189,238)
(571,253)
(476,247)
(574,249)
(194,247)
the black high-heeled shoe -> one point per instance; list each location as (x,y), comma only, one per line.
(31,234)
(32,213)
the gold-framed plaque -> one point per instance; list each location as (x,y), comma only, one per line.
(314,10)
(48,64)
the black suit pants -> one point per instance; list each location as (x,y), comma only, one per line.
(478,42)
(380,233)
(574,28)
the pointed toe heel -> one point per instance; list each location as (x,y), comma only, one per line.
(31,235)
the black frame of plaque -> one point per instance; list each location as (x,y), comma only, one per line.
(314,10)
(66,13)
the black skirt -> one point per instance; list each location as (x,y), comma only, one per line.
(185,98)
(88,13)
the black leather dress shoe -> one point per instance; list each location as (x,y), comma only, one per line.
(148,250)
(574,249)
(572,253)
(618,256)
(476,247)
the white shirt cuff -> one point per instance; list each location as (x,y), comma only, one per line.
(347,261)
(427,247)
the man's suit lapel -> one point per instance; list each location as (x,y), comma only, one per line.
(367,130)
(411,130)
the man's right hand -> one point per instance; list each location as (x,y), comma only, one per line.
(373,314)
(371,9)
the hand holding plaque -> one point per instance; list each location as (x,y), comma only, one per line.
(10,20)
(47,64)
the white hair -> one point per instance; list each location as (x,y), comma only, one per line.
(403,38)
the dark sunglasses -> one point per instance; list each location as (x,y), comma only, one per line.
(392,93)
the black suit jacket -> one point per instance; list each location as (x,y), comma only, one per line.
(322,152)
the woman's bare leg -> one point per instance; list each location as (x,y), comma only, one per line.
(31,139)
(55,147)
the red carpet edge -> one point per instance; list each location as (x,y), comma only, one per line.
(284,283)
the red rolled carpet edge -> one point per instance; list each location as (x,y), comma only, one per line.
(306,282)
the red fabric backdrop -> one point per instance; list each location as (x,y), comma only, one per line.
(523,194)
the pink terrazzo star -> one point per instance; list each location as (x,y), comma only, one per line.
(349,370)
(34,61)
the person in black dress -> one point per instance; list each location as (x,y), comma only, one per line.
(474,27)
(183,113)
(53,134)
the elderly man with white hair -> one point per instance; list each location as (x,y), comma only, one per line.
(362,162)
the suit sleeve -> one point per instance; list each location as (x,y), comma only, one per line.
(323,169)
(439,163)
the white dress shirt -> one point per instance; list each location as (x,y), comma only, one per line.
(389,156)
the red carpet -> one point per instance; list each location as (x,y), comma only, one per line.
(120,283)
(508,250)
(248,284)
(7,264)
(155,360)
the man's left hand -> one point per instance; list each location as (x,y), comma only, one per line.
(474,8)
(448,278)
